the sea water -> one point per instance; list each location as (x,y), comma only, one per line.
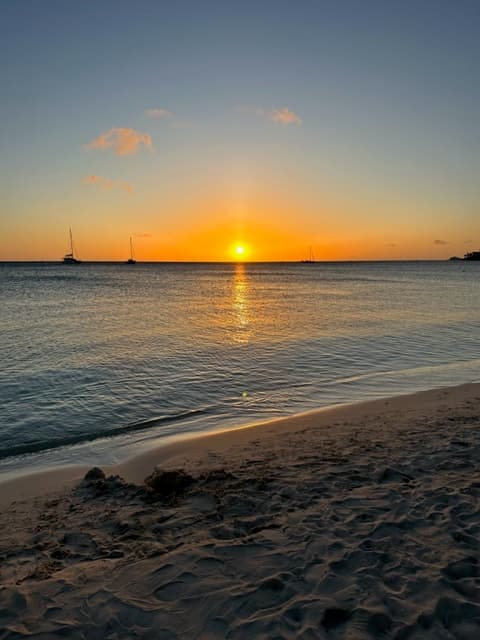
(100,361)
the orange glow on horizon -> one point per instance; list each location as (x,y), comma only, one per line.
(219,228)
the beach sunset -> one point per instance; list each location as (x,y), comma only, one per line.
(240,312)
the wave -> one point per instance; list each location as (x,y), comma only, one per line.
(81,438)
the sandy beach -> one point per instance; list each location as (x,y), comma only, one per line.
(360,521)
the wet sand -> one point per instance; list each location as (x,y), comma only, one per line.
(354,522)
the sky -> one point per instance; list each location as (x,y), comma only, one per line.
(198,127)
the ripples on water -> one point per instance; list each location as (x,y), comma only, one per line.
(142,351)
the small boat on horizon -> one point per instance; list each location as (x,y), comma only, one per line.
(131,260)
(69,258)
(310,259)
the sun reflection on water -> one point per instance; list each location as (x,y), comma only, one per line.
(241,306)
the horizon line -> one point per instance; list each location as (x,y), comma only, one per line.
(122,261)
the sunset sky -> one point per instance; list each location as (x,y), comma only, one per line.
(196,127)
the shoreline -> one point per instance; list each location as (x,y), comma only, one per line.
(184,452)
(184,448)
(356,521)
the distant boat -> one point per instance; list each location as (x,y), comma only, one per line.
(310,259)
(131,260)
(69,258)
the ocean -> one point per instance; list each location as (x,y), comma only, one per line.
(101,361)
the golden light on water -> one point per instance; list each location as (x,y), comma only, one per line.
(241,306)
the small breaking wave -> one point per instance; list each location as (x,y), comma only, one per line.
(37,447)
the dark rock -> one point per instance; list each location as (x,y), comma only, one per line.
(169,483)
(114,483)
(94,475)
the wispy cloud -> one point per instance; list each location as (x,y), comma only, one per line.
(283,115)
(106,184)
(174,121)
(441,242)
(391,244)
(122,140)
(158,113)
(143,235)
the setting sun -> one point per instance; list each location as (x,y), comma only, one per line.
(240,251)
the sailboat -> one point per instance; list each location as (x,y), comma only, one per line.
(131,260)
(69,258)
(310,259)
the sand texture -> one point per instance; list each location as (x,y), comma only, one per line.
(360,522)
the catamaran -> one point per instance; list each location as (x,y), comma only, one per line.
(69,258)
(131,260)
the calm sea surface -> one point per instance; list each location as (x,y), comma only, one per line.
(100,361)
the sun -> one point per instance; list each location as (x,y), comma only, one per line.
(239,251)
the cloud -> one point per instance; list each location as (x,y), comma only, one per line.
(106,184)
(441,242)
(143,235)
(173,121)
(282,115)
(122,140)
(285,116)
(391,244)
(158,113)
